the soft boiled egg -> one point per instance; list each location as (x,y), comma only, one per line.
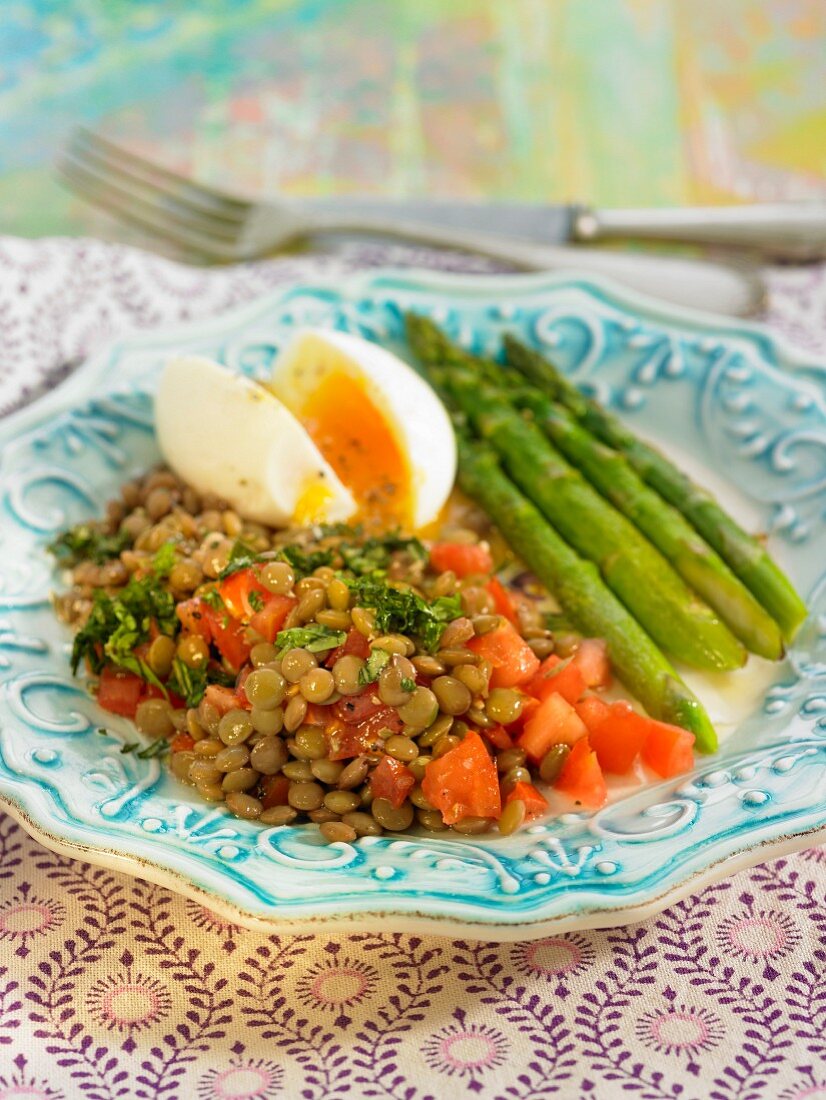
(376,421)
(225,434)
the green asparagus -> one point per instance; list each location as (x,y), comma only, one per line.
(577,585)
(743,553)
(680,622)
(699,566)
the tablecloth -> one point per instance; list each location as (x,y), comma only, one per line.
(112,989)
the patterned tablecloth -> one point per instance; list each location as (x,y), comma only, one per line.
(110,988)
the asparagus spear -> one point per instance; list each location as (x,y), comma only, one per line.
(699,566)
(578,587)
(631,566)
(747,558)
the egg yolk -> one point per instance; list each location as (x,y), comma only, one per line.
(356,439)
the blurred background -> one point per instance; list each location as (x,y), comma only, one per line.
(615,102)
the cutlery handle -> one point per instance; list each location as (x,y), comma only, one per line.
(699,284)
(782,231)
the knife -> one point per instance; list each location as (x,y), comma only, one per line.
(779,231)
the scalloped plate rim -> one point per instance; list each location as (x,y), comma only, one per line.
(80,385)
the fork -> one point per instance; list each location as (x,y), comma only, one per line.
(211,225)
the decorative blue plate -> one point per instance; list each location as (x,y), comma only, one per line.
(729,395)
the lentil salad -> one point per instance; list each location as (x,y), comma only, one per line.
(365,682)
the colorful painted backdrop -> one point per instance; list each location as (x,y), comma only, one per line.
(612,101)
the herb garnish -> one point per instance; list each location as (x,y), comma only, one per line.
(402,611)
(369,672)
(158,747)
(117,624)
(164,560)
(304,561)
(241,556)
(189,683)
(86,542)
(372,555)
(313,637)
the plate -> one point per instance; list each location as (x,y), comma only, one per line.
(729,395)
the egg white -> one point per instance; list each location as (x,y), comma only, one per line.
(225,434)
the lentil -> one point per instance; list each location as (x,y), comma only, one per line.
(295,663)
(363,824)
(317,685)
(454,697)
(278,815)
(504,705)
(305,795)
(334,831)
(269,755)
(346,673)
(278,577)
(265,688)
(244,805)
(235,727)
(153,718)
(552,762)
(513,817)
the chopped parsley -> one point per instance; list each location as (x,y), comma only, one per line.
(369,672)
(372,555)
(118,624)
(212,597)
(164,560)
(158,747)
(189,683)
(241,556)
(408,684)
(256,600)
(86,542)
(402,611)
(313,637)
(304,561)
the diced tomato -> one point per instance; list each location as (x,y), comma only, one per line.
(224,698)
(498,737)
(355,708)
(392,780)
(318,715)
(567,681)
(555,722)
(615,730)
(181,742)
(355,644)
(228,635)
(668,750)
(119,691)
(348,741)
(535,802)
(463,558)
(463,782)
(193,617)
(238,591)
(593,711)
(591,658)
(538,683)
(502,599)
(274,790)
(513,660)
(581,776)
(529,708)
(270,619)
(151,691)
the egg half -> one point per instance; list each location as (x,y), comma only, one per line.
(380,426)
(225,434)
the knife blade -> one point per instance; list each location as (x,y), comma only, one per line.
(542,224)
